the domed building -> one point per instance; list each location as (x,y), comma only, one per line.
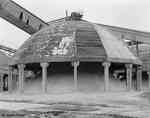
(75,48)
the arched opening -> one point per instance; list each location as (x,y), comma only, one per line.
(90,77)
(32,79)
(145,80)
(118,78)
(27,22)
(5,82)
(40,26)
(21,16)
(60,77)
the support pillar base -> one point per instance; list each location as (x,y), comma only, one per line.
(129,76)
(139,78)
(44,76)
(21,77)
(75,64)
(10,79)
(106,76)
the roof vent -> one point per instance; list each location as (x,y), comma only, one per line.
(76,16)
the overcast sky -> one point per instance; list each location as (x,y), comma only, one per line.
(134,14)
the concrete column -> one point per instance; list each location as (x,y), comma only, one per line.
(1,82)
(139,78)
(44,76)
(21,77)
(148,79)
(10,79)
(75,64)
(129,76)
(17,78)
(15,73)
(106,75)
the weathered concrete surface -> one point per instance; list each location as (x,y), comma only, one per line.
(122,103)
(13,106)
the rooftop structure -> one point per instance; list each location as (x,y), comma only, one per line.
(74,40)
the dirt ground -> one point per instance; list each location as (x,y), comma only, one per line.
(76,105)
(63,101)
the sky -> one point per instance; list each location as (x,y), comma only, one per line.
(133,14)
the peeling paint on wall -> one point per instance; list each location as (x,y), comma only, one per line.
(63,47)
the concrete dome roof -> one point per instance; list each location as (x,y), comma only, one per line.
(68,40)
